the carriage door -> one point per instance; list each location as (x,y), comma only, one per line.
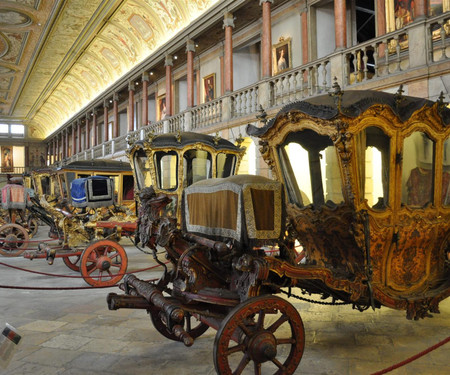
(408,263)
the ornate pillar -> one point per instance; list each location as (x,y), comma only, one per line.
(105,121)
(228,24)
(266,38)
(88,133)
(131,89)
(168,64)
(115,130)
(95,126)
(340,24)
(420,9)
(145,81)
(190,50)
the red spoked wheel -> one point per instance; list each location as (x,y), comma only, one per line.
(73,262)
(191,325)
(103,263)
(263,335)
(13,240)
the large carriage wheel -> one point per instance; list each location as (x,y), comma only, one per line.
(103,263)
(13,240)
(264,334)
(191,325)
(33,226)
(73,262)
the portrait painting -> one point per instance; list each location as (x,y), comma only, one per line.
(161,107)
(7,158)
(209,87)
(281,56)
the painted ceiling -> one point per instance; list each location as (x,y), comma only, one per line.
(56,56)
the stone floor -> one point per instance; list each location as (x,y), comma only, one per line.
(72,332)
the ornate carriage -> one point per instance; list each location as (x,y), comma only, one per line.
(361,184)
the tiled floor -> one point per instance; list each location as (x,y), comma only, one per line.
(73,332)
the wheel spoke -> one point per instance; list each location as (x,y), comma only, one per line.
(279,364)
(117,265)
(260,324)
(287,340)
(257,368)
(89,272)
(278,323)
(235,349)
(245,329)
(244,362)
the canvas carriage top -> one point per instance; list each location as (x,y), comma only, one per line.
(172,161)
(371,201)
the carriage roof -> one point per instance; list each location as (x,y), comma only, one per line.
(97,165)
(182,139)
(353,104)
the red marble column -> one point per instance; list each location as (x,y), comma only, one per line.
(228,24)
(54,151)
(420,9)
(266,38)
(79,136)
(95,126)
(88,133)
(145,81)
(190,50)
(222,76)
(105,121)
(131,89)
(73,143)
(305,36)
(380,8)
(115,129)
(57,148)
(168,64)
(66,144)
(340,24)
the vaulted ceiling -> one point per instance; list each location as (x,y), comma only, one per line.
(58,55)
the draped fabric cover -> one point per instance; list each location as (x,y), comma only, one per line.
(242,208)
(15,197)
(92,192)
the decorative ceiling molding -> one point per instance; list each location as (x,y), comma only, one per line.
(62,54)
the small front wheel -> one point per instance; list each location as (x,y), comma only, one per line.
(103,263)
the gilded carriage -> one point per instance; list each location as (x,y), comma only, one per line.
(361,182)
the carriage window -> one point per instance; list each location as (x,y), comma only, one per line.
(373,165)
(128,188)
(54,184)
(141,166)
(418,170)
(45,185)
(197,166)
(446,174)
(311,170)
(115,178)
(226,164)
(166,170)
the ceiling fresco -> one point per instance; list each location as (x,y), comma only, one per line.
(56,56)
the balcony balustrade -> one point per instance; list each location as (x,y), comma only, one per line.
(366,64)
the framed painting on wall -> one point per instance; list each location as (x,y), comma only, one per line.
(209,87)
(7,159)
(281,56)
(161,107)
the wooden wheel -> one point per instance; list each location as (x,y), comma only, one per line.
(33,226)
(191,325)
(103,263)
(13,240)
(73,262)
(264,334)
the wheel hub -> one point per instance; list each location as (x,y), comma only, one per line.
(103,263)
(262,347)
(11,241)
